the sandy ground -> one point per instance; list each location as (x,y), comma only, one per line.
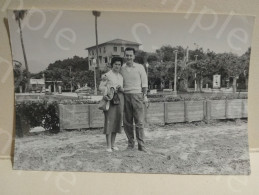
(194,148)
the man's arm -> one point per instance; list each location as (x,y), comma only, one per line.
(144,90)
(144,82)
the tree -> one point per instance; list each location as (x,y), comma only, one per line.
(84,77)
(245,60)
(153,74)
(60,71)
(167,61)
(141,57)
(166,53)
(202,69)
(19,75)
(233,65)
(19,16)
(96,15)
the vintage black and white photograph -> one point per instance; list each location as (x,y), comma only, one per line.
(131,92)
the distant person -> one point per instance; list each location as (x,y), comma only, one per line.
(135,95)
(114,115)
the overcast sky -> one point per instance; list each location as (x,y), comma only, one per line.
(56,35)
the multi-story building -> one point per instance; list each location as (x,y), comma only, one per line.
(108,50)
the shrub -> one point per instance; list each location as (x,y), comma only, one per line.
(155,95)
(38,113)
(82,101)
(156,99)
(197,97)
(229,96)
(173,99)
(44,112)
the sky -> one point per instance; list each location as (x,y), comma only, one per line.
(51,35)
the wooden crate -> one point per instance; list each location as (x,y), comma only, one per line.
(74,116)
(96,116)
(245,110)
(234,108)
(155,113)
(217,109)
(194,110)
(174,112)
(89,116)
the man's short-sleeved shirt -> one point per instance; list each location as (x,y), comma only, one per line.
(134,78)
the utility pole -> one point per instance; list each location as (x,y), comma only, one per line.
(147,65)
(195,81)
(70,79)
(175,74)
(95,88)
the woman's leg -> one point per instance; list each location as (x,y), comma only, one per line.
(113,141)
(109,142)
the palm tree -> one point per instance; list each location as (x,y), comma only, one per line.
(186,69)
(19,16)
(96,15)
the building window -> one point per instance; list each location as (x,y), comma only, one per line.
(100,50)
(105,60)
(90,62)
(100,59)
(93,52)
(104,50)
(115,49)
(122,49)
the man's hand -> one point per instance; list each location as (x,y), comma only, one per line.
(145,99)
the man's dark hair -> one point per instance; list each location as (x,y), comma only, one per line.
(116,59)
(130,49)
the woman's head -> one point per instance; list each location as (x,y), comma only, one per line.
(116,63)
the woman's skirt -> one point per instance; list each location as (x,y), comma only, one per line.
(113,117)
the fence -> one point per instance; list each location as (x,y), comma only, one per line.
(88,116)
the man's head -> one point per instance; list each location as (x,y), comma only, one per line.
(129,55)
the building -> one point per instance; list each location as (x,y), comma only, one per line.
(37,85)
(108,50)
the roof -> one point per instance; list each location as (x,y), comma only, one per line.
(116,41)
(37,81)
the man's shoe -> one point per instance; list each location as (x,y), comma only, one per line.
(130,148)
(143,149)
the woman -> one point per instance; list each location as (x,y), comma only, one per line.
(113,117)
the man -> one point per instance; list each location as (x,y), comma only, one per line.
(135,94)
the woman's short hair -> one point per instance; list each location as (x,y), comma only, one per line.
(116,59)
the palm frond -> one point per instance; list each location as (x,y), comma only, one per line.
(20,14)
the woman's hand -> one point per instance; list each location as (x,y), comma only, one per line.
(119,88)
(105,98)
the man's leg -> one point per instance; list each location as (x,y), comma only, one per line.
(128,120)
(138,115)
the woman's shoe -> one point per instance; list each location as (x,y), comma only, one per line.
(115,148)
(109,150)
